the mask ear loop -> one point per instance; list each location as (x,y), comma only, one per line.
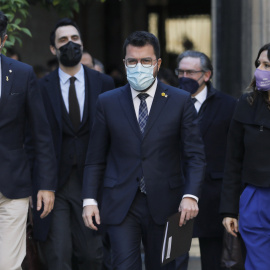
(199,79)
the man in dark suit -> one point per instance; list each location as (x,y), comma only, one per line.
(215,110)
(135,159)
(70,94)
(21,104)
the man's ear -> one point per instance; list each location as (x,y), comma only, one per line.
(53,50)
(207,76)
(3,42)
(159,63)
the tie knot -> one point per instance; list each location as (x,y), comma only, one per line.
(143,96)
(193,100)
(72,79)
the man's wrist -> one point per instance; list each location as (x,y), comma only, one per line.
(89,202)
(191,196)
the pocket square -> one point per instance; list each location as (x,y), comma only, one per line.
(13,93)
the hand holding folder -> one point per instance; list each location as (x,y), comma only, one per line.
(177,240)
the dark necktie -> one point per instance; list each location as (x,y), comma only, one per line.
(193,100)
(74,108)
(143,116)
(143,112)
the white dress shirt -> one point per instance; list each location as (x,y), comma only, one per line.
(149,100)
(200,98)
(136,102)
(79,86)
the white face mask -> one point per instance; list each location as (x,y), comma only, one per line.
(140,77)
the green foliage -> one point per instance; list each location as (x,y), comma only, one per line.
(17,13)
(65,8)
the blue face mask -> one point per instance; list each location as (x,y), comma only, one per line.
(188,84)
(140,77)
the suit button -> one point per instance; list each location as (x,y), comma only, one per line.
(71,156)
(144,158)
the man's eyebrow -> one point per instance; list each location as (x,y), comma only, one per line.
(62,37)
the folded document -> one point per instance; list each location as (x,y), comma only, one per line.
(177,240)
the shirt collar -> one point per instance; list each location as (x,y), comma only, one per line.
(151,91)
(201,97)
(64,77)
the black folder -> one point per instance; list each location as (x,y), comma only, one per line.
(177,240)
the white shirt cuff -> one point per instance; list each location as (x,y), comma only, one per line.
(89,202)
(191,196)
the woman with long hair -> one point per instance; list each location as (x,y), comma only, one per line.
(247,169)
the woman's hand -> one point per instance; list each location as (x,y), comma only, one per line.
(231,225)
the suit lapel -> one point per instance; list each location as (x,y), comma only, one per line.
(7,79)
(126,102)
(54,93)
(160,99)
(86,102)
(207,116)
(93,88)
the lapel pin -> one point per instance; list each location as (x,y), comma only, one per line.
(10,71)
(7,78)
(164,95)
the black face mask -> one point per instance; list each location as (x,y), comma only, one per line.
(70,54)
(188,85)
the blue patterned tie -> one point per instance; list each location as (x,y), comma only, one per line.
(143,112)
(143,116)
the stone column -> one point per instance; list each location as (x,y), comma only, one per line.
(240,28)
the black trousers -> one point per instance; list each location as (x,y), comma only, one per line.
(211,248)
(126,238)
(68,237)
(181,263)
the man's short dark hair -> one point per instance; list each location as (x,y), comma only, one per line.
(12,52)
(3,25)
(140,39)
(93,59)
(62,22)
(206,64)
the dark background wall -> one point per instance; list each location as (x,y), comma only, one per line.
(239,29)
(104,27)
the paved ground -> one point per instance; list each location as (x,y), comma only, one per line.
(194,260)
(194,256)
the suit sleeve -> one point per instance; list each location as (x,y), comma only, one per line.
(42,145)
(108,83)
(193,150)
(231,187)
(95,163)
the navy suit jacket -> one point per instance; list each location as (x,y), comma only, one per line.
(215,117)
(21,107)
(96,83)
(118,154)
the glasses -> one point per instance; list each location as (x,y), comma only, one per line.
(189,72)
(145,62)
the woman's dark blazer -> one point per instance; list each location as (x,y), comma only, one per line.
(248,152)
